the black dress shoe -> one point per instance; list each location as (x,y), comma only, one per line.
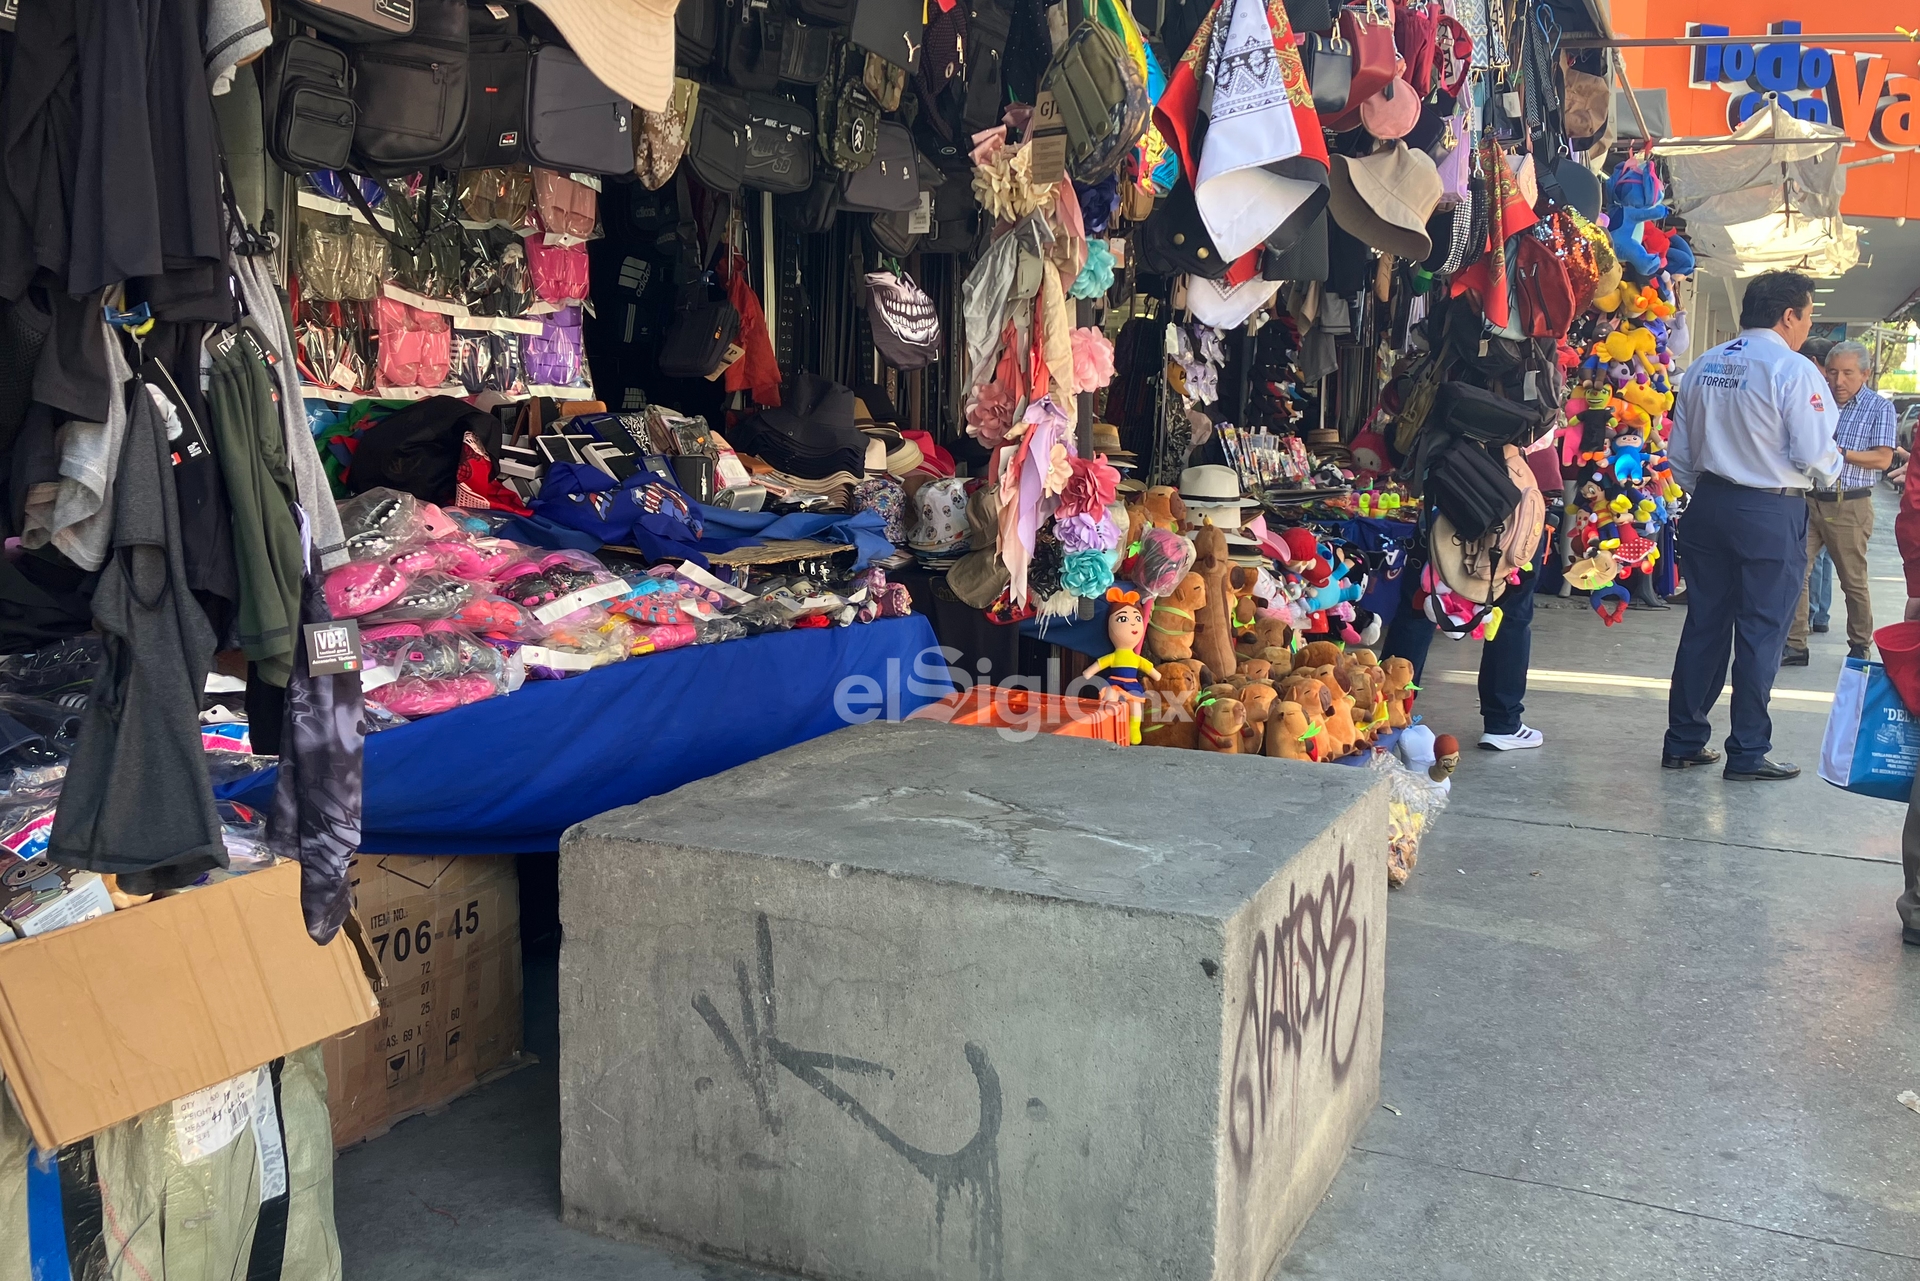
(1769,772)
(1705,756)
(1817,627)
(1910,936)
(1796,658)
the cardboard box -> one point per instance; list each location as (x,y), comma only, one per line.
(108,1018)
(446,931)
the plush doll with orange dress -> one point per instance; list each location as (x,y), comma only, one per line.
(1124,667)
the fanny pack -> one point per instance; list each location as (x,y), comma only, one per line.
(310,105)
(717,147)
(779,149)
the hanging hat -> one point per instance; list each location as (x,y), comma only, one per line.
(1393,111)
(1579,186)
(1385,199)
(628,44)
(980,577)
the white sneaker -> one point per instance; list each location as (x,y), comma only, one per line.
(1525,736)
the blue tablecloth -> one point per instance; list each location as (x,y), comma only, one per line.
(511,774)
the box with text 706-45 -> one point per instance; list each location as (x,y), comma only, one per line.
(447,934)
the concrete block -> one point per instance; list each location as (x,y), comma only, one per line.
(916,1003)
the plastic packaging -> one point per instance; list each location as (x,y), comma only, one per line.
(375,524)
(503,196)
(555,357)
(1413,801)
(559,270)
(415,669)
(416,347)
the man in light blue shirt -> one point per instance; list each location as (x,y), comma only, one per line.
(1753,430)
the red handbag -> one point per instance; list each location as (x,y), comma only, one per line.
(1368,29)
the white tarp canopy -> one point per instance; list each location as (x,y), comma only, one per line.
(1751,209)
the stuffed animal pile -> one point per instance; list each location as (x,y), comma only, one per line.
(1620,401)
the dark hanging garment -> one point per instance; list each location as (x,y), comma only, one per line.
(39,138)
(137,801)
(116,230)
(316,802)
(206,526)
(252,448)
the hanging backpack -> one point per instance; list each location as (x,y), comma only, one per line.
(361,21)
(940,124)
(574,122)
(751,35)
(894,29)
(1470,487)
(779,147)
(954,206)
(847,116)
(496,86)
(1471,413)
(838,13)
(410,95)
(1541,285)
(806,53)
(309,105)
(988,24)
(696,33)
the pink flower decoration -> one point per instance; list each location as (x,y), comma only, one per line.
(1091,489)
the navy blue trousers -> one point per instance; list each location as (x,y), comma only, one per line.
(1503,660)
(1743,554)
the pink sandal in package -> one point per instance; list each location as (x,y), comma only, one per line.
(361,587)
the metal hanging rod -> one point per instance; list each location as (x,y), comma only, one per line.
(1691,42)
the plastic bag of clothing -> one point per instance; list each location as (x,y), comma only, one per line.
(234,1181)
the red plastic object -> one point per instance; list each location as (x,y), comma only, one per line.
(1030,712)
(1899,645)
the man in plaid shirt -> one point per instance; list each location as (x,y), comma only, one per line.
(1841,519)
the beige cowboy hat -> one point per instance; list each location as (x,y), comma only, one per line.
(628,44)
(1384,200)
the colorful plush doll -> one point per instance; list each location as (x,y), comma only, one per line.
(1628,457)
(1127,629)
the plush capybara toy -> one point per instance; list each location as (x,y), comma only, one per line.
(1221,721)
(1213,624)
(1258,697)
(1170,626)
(1266,633)
(1318,654)
(1289,735)
(1399,675)
(1169,715)
(1164,508)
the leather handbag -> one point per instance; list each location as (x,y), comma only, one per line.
(1368,29)
(1329,66)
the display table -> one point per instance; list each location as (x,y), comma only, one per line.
(509,775)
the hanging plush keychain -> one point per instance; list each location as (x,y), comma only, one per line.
(1126,628)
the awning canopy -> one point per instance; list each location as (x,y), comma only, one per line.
(1752,207)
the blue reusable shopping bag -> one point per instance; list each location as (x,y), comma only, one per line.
(1873,743)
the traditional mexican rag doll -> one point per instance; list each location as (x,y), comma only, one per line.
(1127,629)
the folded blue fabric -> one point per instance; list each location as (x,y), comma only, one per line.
(725,530)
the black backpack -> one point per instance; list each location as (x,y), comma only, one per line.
(987,26)
(1470,487)
(410,94)
(1464,410)
(497,88)
(574,122)
(308,105)
(696,33)
(417,450)
(751,35)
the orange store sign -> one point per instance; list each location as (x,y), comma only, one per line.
(1872,92)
